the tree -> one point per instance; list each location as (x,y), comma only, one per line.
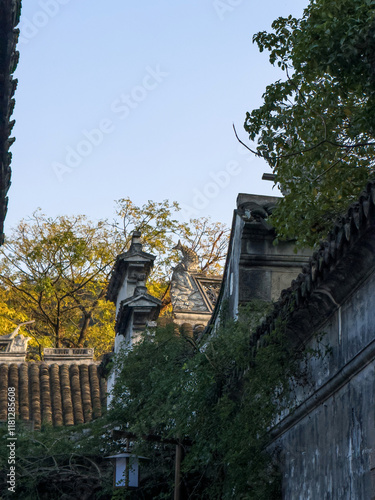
(210,241)
(56,271)
(316,127)
(64,463)
(160,227)
(218,398)
(10,318)
(158,222)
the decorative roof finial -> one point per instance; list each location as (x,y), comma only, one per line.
(136,245)
(190,259)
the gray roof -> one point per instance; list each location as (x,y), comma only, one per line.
(9,18)
(66,394)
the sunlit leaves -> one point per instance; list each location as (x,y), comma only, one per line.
(10,317)
(56,270)
(161,228)
(316,127)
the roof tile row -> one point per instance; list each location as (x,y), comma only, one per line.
(52,394)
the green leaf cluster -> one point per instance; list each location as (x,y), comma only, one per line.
(55,271)
(316,126)
(218,397)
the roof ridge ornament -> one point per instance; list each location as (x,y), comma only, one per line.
(136,245)
(190,259)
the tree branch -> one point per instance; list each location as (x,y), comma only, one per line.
(243,144)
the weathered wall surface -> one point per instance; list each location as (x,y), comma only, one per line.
(255,268)
(231,280)
(327,455)
(328,444)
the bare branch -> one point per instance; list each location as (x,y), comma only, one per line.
(243,144)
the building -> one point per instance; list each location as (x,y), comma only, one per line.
(326,443)
(135,307)
(255,268)
(67,388)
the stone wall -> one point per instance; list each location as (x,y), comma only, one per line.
(328,444)
(81,356)
(256,268)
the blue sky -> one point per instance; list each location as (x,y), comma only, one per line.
(137,99)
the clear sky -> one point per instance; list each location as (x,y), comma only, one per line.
(137,98)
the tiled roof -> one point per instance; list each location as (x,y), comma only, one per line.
(53,394)
(342,261)
(9,18)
